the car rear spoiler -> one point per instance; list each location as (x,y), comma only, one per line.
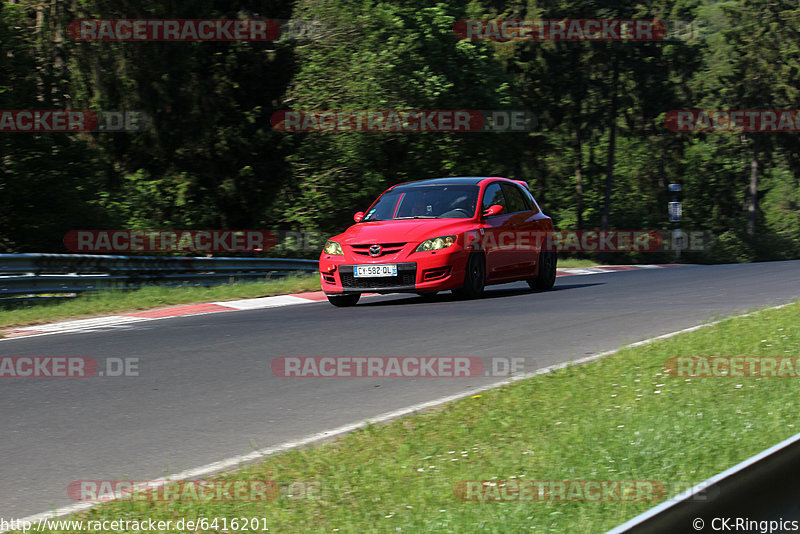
(524,184)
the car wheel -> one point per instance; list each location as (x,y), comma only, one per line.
(342,301)
(547,272)
(474,278)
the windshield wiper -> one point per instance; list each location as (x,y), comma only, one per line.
(416,217)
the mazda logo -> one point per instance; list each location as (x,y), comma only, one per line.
(375,250)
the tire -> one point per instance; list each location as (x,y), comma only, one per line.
(474,278)
(547,272)
(343,301)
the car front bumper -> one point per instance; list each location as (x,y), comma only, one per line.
(430,271)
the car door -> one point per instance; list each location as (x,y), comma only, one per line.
(524,253)
(498,235)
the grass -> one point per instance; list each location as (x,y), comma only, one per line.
(26,313)
(15,313)
(620,417)
(566,263)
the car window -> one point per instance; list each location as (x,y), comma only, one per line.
(384,209)
(526,199)
(494,195)
(514,199)
(530,200)
(425,202)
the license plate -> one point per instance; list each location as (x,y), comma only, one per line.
(372,271)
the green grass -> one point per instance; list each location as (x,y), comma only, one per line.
(17,314)
(619,417)
(565,263)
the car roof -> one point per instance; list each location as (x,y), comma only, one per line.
(454,180)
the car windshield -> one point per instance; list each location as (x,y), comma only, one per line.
(434,201)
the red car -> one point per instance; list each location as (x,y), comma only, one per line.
(457,234)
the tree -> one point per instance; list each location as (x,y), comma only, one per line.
(388,56)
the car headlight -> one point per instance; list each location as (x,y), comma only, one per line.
(437,243)
(333,248)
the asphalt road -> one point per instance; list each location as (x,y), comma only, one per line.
(205,391)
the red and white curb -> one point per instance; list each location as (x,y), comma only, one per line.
(112,321)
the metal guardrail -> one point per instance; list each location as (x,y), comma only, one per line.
(31,274)
(761,491)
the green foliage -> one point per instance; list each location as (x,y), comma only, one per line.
(384,56)
(49,182)
(210,159)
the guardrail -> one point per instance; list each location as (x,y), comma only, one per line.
(760,491)
(33,274)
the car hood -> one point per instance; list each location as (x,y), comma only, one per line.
(404,231)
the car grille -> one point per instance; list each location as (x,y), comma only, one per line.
(406,278)
(386,248)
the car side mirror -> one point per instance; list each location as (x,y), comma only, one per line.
(494,209)
(358,216)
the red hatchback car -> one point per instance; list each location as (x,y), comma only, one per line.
(457,234)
